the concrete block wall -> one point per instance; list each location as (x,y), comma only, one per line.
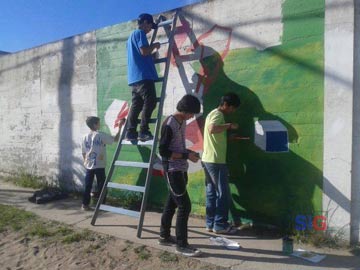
(288,60)
(46,94)
(341,108)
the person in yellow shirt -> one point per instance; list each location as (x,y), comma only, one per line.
(214,161)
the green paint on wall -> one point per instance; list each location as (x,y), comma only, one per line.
(282,83)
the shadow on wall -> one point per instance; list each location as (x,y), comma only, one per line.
(269,187)
(67,159)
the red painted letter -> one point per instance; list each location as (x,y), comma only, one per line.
(319,226)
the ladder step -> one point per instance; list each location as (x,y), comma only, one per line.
(164,23)
(161,79)
(118,210)
(132,164)
(137,142)
(160,60)
(151,121)
(126,187)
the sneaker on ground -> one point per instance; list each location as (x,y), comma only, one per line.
(131,136)
(145,136)
(95,194)
(85,207)
(188,251)
(209,229)
(168,241)
(229,230)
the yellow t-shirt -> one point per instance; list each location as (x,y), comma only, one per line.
(214,144)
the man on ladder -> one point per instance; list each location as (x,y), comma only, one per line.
(141,78)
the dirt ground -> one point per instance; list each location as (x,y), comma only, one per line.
(54,246)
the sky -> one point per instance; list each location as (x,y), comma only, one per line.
(26,24)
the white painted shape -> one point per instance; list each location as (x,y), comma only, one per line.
(338,111)
(263,127)
(112,113)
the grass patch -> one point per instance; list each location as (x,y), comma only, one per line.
(64,230)
(41,230)
(142,252)
(27,180)
(168,257)
(85,235)
(321,238)
(126,199)
(14,218)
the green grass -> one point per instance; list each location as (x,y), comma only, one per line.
(41,230)
(168,257)
(30,225)
(85,235)
(27,180)
(321,238)
(142,252)
(14,219)
(127,199)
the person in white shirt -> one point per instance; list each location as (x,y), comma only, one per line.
(94,154)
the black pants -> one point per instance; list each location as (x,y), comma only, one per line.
(177,181)
(143,99)
(89,179)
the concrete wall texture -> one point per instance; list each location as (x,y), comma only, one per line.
(288,60)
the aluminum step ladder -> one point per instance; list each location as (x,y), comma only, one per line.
(169,29)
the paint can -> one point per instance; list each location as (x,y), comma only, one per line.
(287,245)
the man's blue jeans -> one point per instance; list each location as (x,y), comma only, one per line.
(217,196)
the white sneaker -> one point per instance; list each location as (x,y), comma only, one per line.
(85,208)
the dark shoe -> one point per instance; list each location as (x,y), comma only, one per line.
(131,136)
(229,230)
(169,241)
(188,251)
(145,136)
(85,207)
(95,195)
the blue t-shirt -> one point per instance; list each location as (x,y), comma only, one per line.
(139,67)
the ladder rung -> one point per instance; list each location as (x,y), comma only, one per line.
(126,187)
(132,164)
(164,23)
(137,142)
(160,60)
(161,79)
(119,210)
(151,121)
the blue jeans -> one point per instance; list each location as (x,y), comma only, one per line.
(217,196)
(89,179)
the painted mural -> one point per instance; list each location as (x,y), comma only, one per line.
(274,62)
